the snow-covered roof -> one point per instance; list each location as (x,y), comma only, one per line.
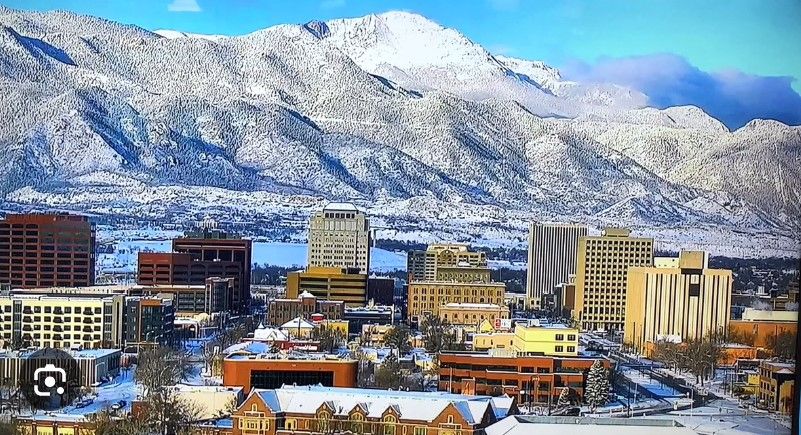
(305,295)
(424,406)
(269,334)
(471,306)
(344,206)
(296,323)
(526,425)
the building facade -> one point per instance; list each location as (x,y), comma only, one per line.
(339,237)
(552,250)
(324,410)
(329,283)
(688,301)
(281,311)
(357,317)
(465,314)
(530,377)
(381,290)
(149,320)
(428,297)
(548,340)
(601,270)
(47,250)
(777,386)
(424,265)
(45,319)
(177,270)
(211,297)
(268,371)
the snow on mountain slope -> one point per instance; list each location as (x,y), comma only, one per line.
(109,118)
(420,54)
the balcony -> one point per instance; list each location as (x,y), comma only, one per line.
(57,329)
(87,329)
(87,337)
(88,320)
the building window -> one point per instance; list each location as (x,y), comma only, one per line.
(559,348)
(560,337)
(571,337)
(571,348)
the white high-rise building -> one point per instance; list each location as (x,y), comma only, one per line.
(552,252)
(339,236)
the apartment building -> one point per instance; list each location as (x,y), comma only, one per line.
(149,320)
(46,250)
(683,299)
(534,340)
(776,386)
(428,297)
(552,250)
(601,272)
(447,262)
(44,319)
(329,283)
(339,237)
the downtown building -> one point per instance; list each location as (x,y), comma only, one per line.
(552,250)
(601,274)
(306,305)
(62,318)
(681,300)
(329,283)
(46,250)
(201,255)
(449,262)
(149,320)
(339,237)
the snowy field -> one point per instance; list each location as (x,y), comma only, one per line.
(128,244)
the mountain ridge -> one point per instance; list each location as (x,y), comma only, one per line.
(291,112)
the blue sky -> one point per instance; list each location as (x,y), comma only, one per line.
(742,57)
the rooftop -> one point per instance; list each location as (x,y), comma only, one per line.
(424,406)
(526,425)
(465,305)
(343,206)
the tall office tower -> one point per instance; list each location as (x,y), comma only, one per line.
(339,236)
(601,268)
(687,301)
(447,262)
(47,250)
(551,257)
(211,247)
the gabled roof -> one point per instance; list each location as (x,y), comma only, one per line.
(408,405)
(296,323)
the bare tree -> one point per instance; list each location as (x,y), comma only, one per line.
(161,367)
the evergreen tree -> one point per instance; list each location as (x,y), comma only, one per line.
(597,391)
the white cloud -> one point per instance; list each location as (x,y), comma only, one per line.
(184,6)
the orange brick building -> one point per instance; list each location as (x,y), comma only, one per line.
(258,371)
(480,373)
(760,331)
(323,410)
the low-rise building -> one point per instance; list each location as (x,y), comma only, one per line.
(777,386)
(466,314)
(530,340)
(552,425)
(93,365)
(758,327)
(541,378)
(264,370)
(317,409)
(305,305)
(329,283)
(371,314)
(211,400)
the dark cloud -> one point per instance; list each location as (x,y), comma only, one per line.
(732,97)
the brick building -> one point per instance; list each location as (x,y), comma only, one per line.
(283,310)
(251,370)
(480,373)
(47,250)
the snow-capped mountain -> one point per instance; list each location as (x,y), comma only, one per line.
(387,110)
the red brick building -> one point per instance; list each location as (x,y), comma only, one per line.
(262,371)
(480,373)
(47,250)
(324,410)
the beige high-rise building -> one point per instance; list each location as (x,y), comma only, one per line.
(601,267)
(447,261)
(551,257)
(339,236)
(687,301)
